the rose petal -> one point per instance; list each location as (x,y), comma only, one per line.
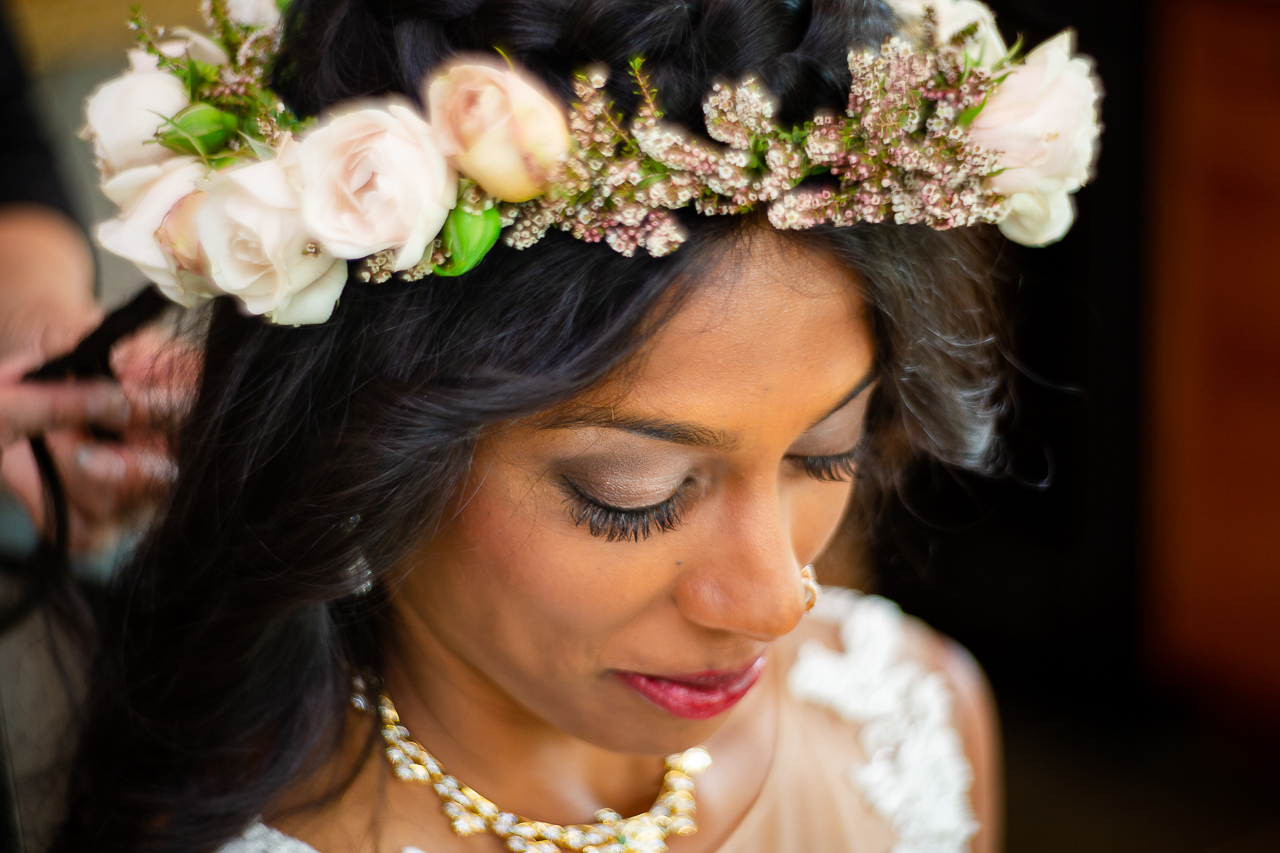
(374,178)
(1036,219)
(315,302)
(124,114)
(131,235)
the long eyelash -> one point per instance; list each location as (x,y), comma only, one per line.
(830,469)
(620,525)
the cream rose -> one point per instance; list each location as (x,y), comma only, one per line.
(124,114)
(498,128)
(255,13)
(987,48)
(251,232)
(145,196)
(1037,219)
(374,179)
(1043,121)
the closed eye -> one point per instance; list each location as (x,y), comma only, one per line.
(618,524)
(839,468)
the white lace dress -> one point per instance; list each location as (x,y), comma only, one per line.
(867,758)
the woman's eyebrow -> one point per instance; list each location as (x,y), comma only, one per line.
(676,432)
(863,384)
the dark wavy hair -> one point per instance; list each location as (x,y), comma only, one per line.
(226,652)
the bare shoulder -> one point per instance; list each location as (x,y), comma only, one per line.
(880,660)
(975,719)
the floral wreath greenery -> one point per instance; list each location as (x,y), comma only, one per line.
(223,190)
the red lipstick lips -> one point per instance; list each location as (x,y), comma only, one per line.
(698,695)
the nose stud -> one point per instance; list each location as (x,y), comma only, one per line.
(811,589)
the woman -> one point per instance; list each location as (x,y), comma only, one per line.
(543,531)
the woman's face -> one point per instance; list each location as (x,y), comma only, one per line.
(619,568)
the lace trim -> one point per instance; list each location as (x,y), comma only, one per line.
(260,838)
(916,775)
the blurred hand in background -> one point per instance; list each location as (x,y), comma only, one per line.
(46,307)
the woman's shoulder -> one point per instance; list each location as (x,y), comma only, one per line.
(854,640)
(923,713)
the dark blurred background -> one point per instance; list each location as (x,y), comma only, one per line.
(1122,585)
(1128,612)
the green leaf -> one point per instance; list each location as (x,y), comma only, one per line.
(1014,56)
(201,129)
(468,237)
(968,116)
(260,149)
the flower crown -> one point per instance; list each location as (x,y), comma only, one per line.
(222,190)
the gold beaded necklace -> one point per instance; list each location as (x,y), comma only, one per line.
(470,813)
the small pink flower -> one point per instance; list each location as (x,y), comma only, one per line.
(498,127)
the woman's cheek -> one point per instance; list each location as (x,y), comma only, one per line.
(516,538)
(817,509)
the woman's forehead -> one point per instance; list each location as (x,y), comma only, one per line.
(771,328)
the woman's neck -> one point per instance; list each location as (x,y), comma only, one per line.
(488,741)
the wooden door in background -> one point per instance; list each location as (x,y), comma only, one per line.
(1212,576)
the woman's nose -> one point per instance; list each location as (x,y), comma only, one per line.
(749,581)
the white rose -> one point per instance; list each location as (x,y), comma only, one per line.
(255,13)
(1038,219)
(125,113)
(145,196)
(1043,121)
(987,48)
(374,179)
(251,231)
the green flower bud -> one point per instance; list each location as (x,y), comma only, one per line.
(468,237)
(200,129)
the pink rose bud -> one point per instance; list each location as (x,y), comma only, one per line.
(499,128)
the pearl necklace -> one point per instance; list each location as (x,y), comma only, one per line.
(471,813)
